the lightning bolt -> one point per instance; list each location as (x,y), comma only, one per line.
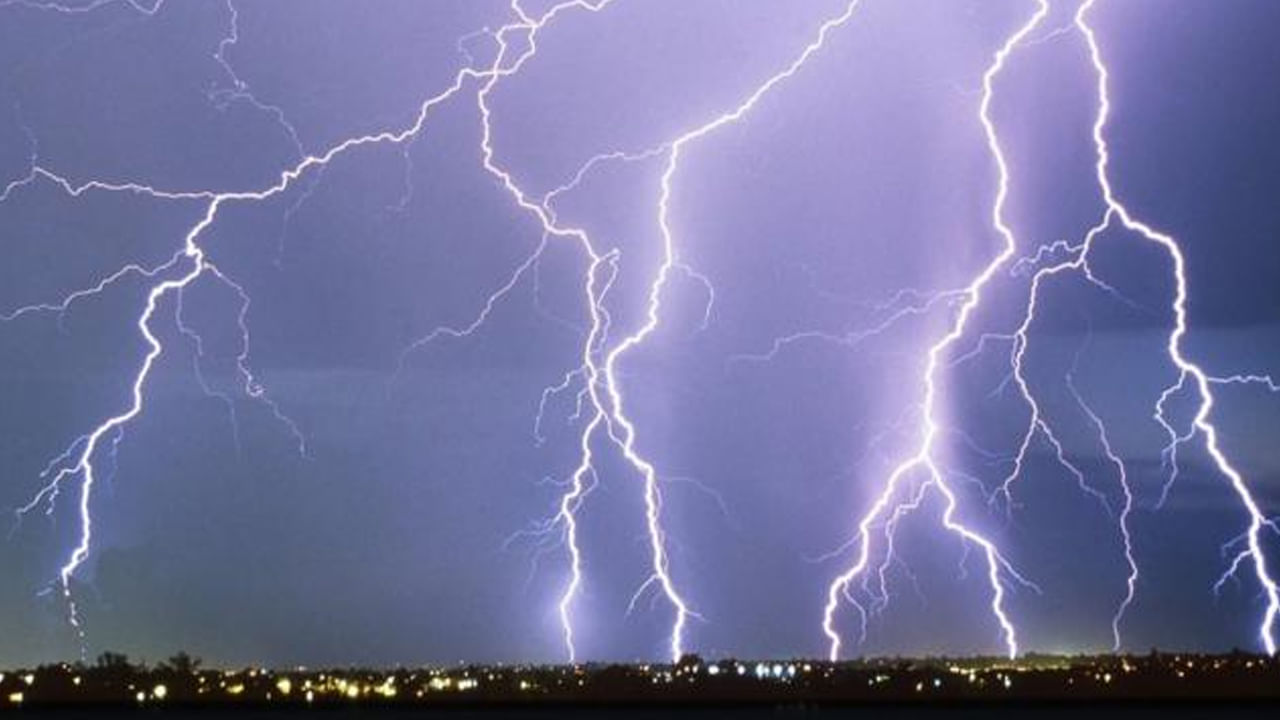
(669,262)
(1188,370)
(1189,374)
(998,568)
(902,305)
(1126,507)
(191,263)
(67,9)
(601,417)
(81,463)
(1037,422)
(599,368)
(239,90)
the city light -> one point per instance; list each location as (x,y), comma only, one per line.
(1036,677)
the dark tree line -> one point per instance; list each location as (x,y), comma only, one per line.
(114,662)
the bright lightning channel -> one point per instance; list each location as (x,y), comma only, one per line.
(1187,369)
(923,460)
(600,374)
(669,262)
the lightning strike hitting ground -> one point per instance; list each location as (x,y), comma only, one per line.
(584,476)
(1131,580)
(192,263)
(1187,369)
(998,569)
(653,498)
(1188,372)
(608,409)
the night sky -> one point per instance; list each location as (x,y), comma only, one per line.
(375,476)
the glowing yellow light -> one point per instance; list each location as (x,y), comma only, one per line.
(159,692)
(284,685)
(15,698)
(140,696)
(235,689)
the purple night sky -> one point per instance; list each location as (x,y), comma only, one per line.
(427,303)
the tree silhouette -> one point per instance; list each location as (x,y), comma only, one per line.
(181,664)
(112,661)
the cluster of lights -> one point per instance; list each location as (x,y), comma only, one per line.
(254,684)
(1031,676)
